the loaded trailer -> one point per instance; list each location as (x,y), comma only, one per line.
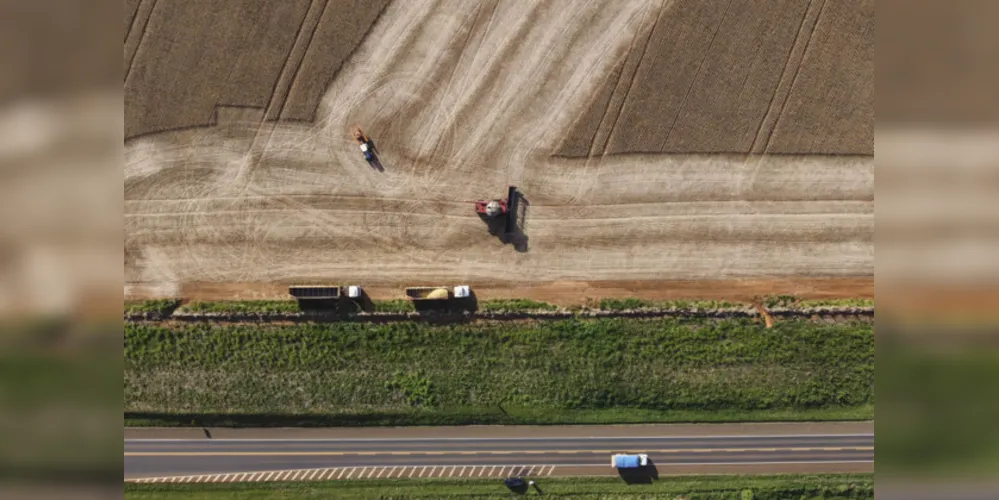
(421,293)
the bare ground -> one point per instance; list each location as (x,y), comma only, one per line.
(463,98)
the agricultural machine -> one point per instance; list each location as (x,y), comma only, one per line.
(499,210)
(367,147)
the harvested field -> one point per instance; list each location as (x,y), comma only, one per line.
(713,77)
(464,98)
(183,59)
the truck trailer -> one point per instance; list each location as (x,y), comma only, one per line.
(438,292)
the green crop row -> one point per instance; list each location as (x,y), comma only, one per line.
(357,373)
(775,487)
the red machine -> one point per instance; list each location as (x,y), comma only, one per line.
(505,208)
(495,208)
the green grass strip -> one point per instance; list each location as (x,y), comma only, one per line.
(241,307)
(764,487)
(566,371)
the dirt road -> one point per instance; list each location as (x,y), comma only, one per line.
(463,98)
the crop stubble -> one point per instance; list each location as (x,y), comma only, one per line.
(463,98)
(714,77)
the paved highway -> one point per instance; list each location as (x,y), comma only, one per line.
(169,457)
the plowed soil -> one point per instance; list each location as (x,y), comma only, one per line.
(463,98)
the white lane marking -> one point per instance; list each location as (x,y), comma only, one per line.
(453,468)
(214,478)
(312,476)
(554,438)
(257,477)
(424,469)
(382,471)
(283,475)
(299,474)
(492,470)
(352,470)
(342,472)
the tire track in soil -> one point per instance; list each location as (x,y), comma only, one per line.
(621,230)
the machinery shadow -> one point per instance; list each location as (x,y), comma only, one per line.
(376,161)
(517,236)
(641,475)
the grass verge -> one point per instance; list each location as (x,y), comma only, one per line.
(159,307)
(828,486)
(495,416)
(241,307)
(679,305)
(167,306)
(567,371)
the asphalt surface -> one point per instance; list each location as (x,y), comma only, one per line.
(166,457)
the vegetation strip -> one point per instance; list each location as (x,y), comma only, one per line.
(568,371)
(763,487)
(164,309)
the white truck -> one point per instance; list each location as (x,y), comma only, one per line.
(624,461)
